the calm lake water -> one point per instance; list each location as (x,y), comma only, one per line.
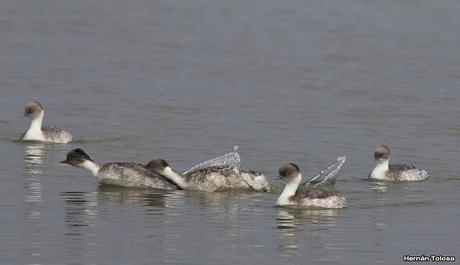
(287,81)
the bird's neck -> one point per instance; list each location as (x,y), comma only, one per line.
(91,167)
(380,169)
(35,130)
(289,190)
(174,177)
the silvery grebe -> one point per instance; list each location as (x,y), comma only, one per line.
(383,171)
(212,178)
(304,196)
(46,133)
(119,174)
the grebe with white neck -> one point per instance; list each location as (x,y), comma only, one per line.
(119,174)
(304,196)
(212,178)
(39,132)
(384,171)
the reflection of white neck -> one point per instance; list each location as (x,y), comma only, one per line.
(174,177)
(90,166)
(289,190)
(380,169)
(35,129)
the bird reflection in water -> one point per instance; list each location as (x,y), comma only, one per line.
(34,154)
(33,195)
(123,195)
(295,224)
(33,158)
(33,161)
(288,232)
(80,216)
(80,209)
(379,186)
(230,202)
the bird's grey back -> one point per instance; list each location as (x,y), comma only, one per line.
(312,193)
(400,167)
(405,172)
(252,172)
(395,171)
(229,178)
(54,133)
(135,175)
(200,175)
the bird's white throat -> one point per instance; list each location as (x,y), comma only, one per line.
(380,169)
(90,166)
(35,130)
(173,176)
(289,190)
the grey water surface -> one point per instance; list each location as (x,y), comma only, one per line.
(287,81)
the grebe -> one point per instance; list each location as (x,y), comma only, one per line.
(383,171)
(303,196)
(212,178)
(46,133)
(119,174)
